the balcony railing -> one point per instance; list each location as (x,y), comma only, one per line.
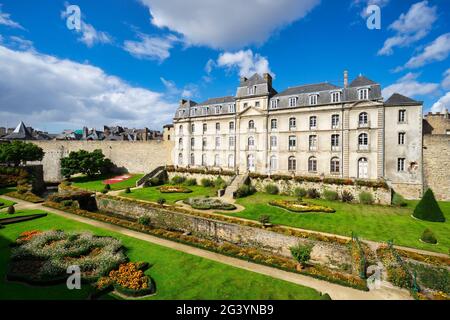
(363,148)
(335,148)
(362,125)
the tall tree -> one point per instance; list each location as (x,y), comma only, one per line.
(88,163)
(19,152)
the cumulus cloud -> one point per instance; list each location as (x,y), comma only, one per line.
(44,90)
(438,50)
(410,27)
(5,20)
(246,62)
(442,104)
(188,92)
(149,47)
(216,23)
(446,81)
(409,86)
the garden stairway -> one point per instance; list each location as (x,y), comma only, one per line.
(155,173)
(237,181)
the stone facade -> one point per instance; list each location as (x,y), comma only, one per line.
(436,157)
(134,157)
(437,123)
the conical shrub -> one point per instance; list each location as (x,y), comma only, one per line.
(428,209)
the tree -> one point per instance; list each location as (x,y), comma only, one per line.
(19,152)
(428,209)
(301,253)
(88,163)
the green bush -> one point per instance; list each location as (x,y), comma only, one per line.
(207,183)
(11,210)
(127,190)
(347,196)
(429,237)
(67,203)
(105,191)
(178,180)
(428,208)
(264,219)
(301,253)
(300,192)
(154,182)
(220,183)
(398,200)
(144,220)
(161,201)
(312,193)
(191,182)
(245,190)
(272,189)
(330,195)
(366,198)
(108,187)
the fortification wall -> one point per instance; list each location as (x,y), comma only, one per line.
(134,157)
(436,159)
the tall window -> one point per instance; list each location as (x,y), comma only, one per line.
(231,142)
(273,163)
(205,111)
(232,108)
(335,97)
(335,121)
(363,141)
(292,123)
(402,116)
(334,142)
(274,124)
(217,142)
(274,104)
(251,124)
(217,109)
(216,161)
(273,142)
(230,161)
(192,143)
(192,159)
(363,119)
(292,142)
(180,130)
(335,167)
(313,99)
(217,126)
(401,164)
(231,126)
(313,122)
(180,143)
(312,164)
(205,127)
(192,128)
(293,101)
(313,143)
(251,142)
(363,94)
(193,112)
(203,160)
(292,164)
(401,138)
(204,143)
(180,159)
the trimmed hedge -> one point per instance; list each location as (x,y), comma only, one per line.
(428,209)
(429,237)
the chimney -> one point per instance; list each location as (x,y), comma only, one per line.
(243,80)
(182,102)
(345,79)
(268,78)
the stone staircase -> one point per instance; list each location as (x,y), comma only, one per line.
(237,181)
(155,173)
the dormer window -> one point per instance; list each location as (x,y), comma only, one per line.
(251,90)
(293,101)
(245,105)
(313,99)
(274,104)
(205,111)
(232,108)
(217,109)
(335,97)
(193,112)
(363,94)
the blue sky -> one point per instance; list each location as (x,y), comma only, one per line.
(133,60)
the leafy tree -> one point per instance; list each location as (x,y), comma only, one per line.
(301,253)
(88,163)
(428,209)
(19,152)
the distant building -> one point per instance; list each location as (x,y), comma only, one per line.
(437,123)
(168,132)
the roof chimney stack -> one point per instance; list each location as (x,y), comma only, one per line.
(268,78)
(345,79)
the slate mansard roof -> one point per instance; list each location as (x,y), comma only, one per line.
(399,100)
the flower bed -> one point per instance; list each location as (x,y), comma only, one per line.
(174,189)
(130,280)
(302,207)
(42,258)
(397,272)
(202,203)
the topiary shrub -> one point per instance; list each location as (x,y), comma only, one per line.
(178,180)
(347,196)
(108,187)
(144,220)
(429,237)
(312,193)
(398,200)
(127,190)
(264,219)
(207,183)
(161,201)
(301,253)
(366,198)
(428,209)
(11,210)
(300,193)
(245,190)
(105,191)
(271,189)
(330,195)
(191,182)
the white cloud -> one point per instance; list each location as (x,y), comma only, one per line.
(20,43)
(410,87)
(442,104)
(150,48)
(44,90)
(438,50)
(209,66)
(446,81)
(246,62)
(410,27)
(366,3)
(5,19)
(226,24)
(173,91)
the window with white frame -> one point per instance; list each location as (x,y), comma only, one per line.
(313,99)
(401,164)
(312,164)
(192,159)
(363,94)
(401,138)
(192,143)
(231,161)
(335,121)
(274,104)
(292,142)
(273,142)
(231,142)
(335,97)
(245,105)
(274,124)
(232,108)
(313,122)
(293,101)
(204,143)
(204,160)
(292,164)
(205,127)
(251,124)
(251,142)
(363,119)
(217,109)
(273,163)
(193,112)
(335,165)
(217,126)
(192,128)
(231,126)
(334,141)
(313,142)
(402,116)
(217,142)
(216,160)
(180,143)
(363,141)
(292,123)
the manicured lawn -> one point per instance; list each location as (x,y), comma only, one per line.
(177,275)
(97,183)
(153,194)
(7,190)
(379,223)
(6,203)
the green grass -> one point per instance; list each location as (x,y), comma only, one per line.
(6,203)
(378,223)
(96,184)
(7,190)
(153,194)
(177,275)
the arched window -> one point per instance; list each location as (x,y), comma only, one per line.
(313,122)
(312,164)
(274,124)
(251,142)
(251,124)
(335,165)
(192,128)
(273,163)
(251,165)
(180,130)
(292,164)
(180,159)
(363,168)
(363,119)
(292,123)
(192,159)
(216,160)
(363,141)
(192,143)
(180,142)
